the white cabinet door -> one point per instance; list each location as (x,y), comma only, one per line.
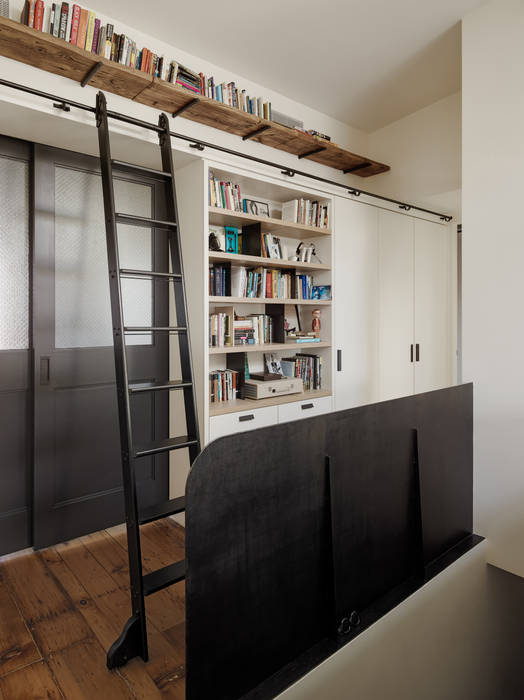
(356,309)
(395,272)
(434,369)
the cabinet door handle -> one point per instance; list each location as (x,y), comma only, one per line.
(305,406)
(411,353)
(242,419)
(45,371)
(339,360)
(417,352)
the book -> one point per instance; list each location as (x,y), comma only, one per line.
(96,32)
(90,31)
(69,25)
(31,16)
(39,15)
(64,11)
(82,28)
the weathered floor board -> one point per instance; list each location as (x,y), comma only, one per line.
(61,608)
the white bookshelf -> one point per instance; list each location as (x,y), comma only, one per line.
(196,217)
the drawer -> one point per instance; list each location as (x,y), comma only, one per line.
(304,409)
(239,422)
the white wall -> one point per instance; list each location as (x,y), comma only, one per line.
(425,148)
(493,277)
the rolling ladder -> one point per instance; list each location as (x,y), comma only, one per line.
(133,639)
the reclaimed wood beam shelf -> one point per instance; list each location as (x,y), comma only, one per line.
(55,55)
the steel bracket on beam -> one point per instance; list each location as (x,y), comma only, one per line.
(310,153)
(91,73)
(256,132)
(182,109)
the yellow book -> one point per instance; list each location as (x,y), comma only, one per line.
(90,31)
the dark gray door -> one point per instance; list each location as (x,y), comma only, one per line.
(77,451)
(15,344)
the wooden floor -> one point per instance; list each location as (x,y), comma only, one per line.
(61,609)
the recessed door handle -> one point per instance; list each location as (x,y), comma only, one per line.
(417,352)
(242,419)
(305,406)
(45,371)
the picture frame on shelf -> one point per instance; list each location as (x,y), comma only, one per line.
(231,239)
(252,206)
(321,292)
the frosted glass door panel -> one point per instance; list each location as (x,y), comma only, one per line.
(14,254)
(82,308)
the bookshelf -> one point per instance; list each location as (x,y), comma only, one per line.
(197,217)
(56,56)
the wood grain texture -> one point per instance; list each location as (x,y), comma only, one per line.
(61,609)
(57,56)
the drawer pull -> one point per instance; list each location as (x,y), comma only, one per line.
(305,406)
(244,418)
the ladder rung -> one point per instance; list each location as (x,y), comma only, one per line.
(133,220)
(137,387)
(166,445)
(132,168)
(149,273)
(162,578)
(162,510)
(153,329)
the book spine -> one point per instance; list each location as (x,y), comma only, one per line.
(109,41)
(96,32)
(31,18)
(63,20)
(90,30)
(69,24)
(39,15)
(82,29)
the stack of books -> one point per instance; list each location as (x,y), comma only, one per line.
(307,212)
(219,330)
(255,329)
(307,367)
(223,385)
(224,195)
(218,280)
(270,247)
(185,77)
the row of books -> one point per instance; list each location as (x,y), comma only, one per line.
(226,329)
(218,275)
(270,246)
(224,195)
(81,27)
(261,283)
(229,94)
(307,367)
(307,212)
(223,385)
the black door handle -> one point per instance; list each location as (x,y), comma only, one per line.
(244,418)
(339,360)
(411,353)
(306,406)
(45,371)
(417,352)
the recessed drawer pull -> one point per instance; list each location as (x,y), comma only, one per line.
(244,418)
(306,406)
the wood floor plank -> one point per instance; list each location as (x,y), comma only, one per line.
(87,569)
(17,647)
(34,682)
(81,672)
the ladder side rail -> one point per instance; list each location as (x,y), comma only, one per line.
(184,341)
(124,409)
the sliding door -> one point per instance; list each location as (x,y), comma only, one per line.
(15,346)
(78,485)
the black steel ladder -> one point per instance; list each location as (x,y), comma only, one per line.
(133,640)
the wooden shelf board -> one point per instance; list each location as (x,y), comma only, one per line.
(255,261)
(287,229)
(239,405)
(256,300)
(55,55)
(268,347)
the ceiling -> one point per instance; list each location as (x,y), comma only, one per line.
(366,63)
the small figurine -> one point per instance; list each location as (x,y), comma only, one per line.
(315,325)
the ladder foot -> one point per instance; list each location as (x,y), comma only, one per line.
(130,644)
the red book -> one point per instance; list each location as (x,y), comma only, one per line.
(75,21)
(269,286)
(39,15)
